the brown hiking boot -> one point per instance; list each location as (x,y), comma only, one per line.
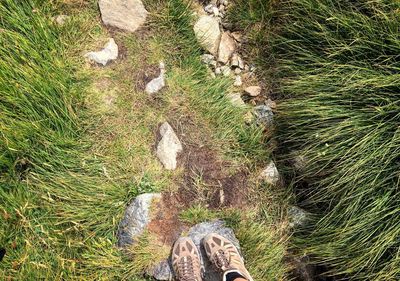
(224,256)
(186,260)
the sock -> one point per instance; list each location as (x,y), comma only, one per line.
(231,276)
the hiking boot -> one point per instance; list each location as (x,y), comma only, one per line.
(186,260)
(225,256)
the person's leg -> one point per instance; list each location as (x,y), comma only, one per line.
(186,260)
(226,258)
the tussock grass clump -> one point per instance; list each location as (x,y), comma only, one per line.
(335,65)
(339,68)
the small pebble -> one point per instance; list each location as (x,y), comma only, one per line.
(218,70)
(238,81)
(215,11)
(253,90)
(226,70)
(270,103)
(238,71)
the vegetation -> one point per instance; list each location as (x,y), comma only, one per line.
(336,67)
(70,162)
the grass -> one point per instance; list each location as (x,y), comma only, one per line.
(77,139)
(336,70)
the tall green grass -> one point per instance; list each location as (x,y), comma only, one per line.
(337,66)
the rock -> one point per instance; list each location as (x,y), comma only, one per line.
(235,60)
(207,58)
(300,163)
(209,8)
(168,147)
(127,15)
(221,8)
(236,99)
(238,81)
(297,216)
(226,70)
(197,233)
(264,115)
(136,218)
(109,53)
(218,71)
(61,19)
(155,85)
(248,118)
(270,174)
(238,71)
(225,2)
(237,36)
(162,271)
(226,48)
(270,103)
(215,11)
(208,33)
(253,91)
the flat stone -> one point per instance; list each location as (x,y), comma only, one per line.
(270,174)
(107,54)
(264,115)
(208,33)
(155,85)
(226,70)
(127,15)
(237,36)
(238,81)
(136,218)
(227,47)
(168,147)
(236,99)
(164,270)
(253,91)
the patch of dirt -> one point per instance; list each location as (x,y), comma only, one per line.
(166,224)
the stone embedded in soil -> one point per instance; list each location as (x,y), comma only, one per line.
(207,58)
(297,216)
(237,36)
(227,47)
(107,54)
(61,19)
(136,218)
(197,233)
(155,85)
(236,99)
(270,174)
(264,115)
(270,103)
(168,147)
(226,70)
(128,15)
(208,33)
(238,81)
(253,91)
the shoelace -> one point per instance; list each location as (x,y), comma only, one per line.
(185,267)
(221,260)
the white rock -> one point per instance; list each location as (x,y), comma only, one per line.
(127,15)
(209,8)
(226,70)
(208,33)
(270,174)
(207,58)
(61,19)
(236,99)
(109,53)
(168,147)
(238,71)
(238,81)
(218,71)
(253,91)
(235,60)
(215,11)
(226,48)
(155,85)
(225,2)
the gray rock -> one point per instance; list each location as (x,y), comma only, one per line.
(264,115)
(155,85)
(208,33)
(197,233)
(270,174)
(168,147)
(227,47)
(136,218)
(108,53)
(127,15)
(207,58)
(297,216)
(226,70)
